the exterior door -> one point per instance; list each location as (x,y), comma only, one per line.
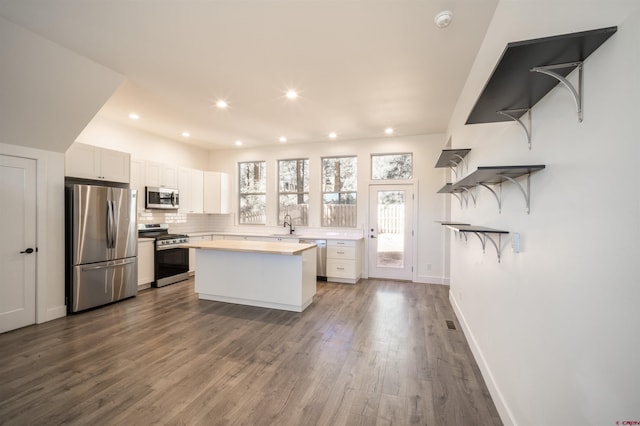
(391,231)
(17,250)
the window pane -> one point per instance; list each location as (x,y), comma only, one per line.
(294,175)
(253,209)
(339,196)
(253,177)
(392,166)
(297,206)
(252,196)
(293,188)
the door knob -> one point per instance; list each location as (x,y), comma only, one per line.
(28,251)
(372,236)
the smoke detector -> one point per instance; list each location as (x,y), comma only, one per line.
(443,19)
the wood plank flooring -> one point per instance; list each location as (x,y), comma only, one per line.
(377,353)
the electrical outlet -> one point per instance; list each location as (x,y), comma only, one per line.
(515,242)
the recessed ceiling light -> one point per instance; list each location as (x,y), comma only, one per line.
(283,139)
(134,116)
(186,134)
(222,104)
(291,94)
(388,131)
(238,143)
(332,135)
(443,19)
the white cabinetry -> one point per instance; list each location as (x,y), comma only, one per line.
(216,192)
(145,262)
(160,175)
(190,184)
(92,162)
(344,261)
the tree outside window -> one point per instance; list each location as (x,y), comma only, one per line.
(391,166)
(293,191)
(252,192)
(339,191)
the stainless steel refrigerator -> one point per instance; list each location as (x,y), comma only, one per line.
(101,245)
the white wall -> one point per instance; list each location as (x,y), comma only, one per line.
(146,146)
(555,327)
(425,149)
(49,93)
(50,290)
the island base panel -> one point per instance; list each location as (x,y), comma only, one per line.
(266,280)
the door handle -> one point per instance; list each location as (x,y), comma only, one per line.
(372,236)
(28,251)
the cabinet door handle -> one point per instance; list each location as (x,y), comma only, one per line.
(28,251)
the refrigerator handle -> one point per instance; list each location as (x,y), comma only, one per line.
(109,224)
(114,226)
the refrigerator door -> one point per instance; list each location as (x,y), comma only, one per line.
(124,230)
(91,212)
(105,282)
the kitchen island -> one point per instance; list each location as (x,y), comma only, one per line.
(276,275)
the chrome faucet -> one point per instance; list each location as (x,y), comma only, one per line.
(289,224)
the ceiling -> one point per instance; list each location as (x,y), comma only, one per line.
(358,66)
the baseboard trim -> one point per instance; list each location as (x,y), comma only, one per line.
(431,280)
(498,399)
(55,313)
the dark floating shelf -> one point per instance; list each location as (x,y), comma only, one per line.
(483,233)
(451,157)
(486,177)
(495,175)
(449,223)
(514,88)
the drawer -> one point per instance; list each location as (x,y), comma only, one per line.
(341,268)
(341,252)
(341,243)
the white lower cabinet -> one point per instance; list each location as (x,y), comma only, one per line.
(146,273)
(344,261)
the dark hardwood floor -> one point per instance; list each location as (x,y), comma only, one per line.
(379,352)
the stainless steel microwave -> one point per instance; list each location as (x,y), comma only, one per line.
(161,198)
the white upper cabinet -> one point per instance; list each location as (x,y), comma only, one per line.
(216,192)
(190,184)
(161,175)
(92,162)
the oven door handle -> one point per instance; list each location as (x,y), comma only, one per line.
(175,246)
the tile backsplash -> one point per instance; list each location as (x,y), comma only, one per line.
(182,223)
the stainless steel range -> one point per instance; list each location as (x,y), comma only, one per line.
(171,260)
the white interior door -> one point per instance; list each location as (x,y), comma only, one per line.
(391,231)
(17,250)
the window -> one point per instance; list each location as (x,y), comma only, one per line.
(339,191)
(293,191)
(253,197)
(391,166)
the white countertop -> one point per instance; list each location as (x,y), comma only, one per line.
(277,235)
(264,247)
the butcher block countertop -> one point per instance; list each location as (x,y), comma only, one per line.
(264,247)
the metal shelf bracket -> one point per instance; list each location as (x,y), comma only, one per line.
(458,197)
(498,196)
(462,161)
(511,113)
(484,237)
(577,94)
(526,190)
(469,192)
